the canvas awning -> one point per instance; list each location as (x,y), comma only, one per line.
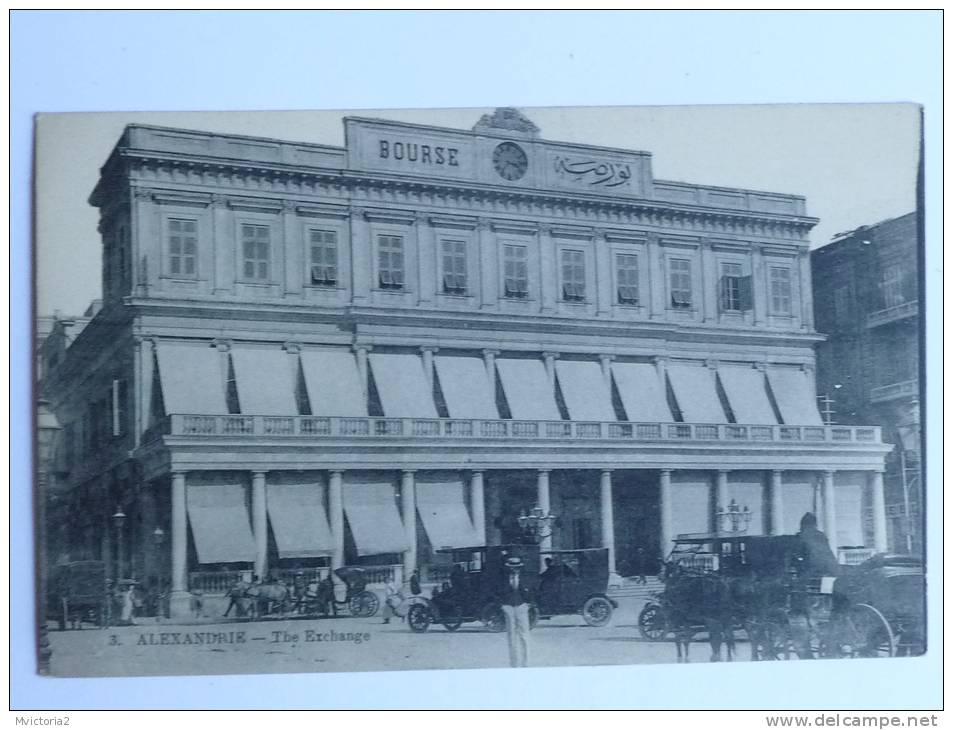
(794,393)
(642,392)
(192,379)
(694,387)
(298,520)
(443,511)
(585,390)
(529,393)
(333,382)
(264,380)
(402,386)
(219,521)
(467,390)
(747,394)
(373,518)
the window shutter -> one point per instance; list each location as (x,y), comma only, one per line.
(746,293)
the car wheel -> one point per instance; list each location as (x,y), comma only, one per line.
(652,622)
(451,617)
(597,611)
(419,618)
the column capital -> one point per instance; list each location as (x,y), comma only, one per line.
(336,472)
(408,472)
(359,347)
(259,473)
(665,472)
(722,472)
(292,348)
(550,355)
(605,472)
(545,229)
(289,206)
(219,200)
(178,474)
(429,348)
(358,213)
(711,363)
(144,340)
(543,471)
(661,360)
(777,472)
(143,193)
(475,472)
(421,217)
(482,224)
(222,344)
(607,358)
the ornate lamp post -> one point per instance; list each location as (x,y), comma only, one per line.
(537,525)
(733,518)
(47,431)
(119,519)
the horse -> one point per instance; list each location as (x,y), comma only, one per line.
(267,597)
(700,602)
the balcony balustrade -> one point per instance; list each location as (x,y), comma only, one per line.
(448,430)
(892,314)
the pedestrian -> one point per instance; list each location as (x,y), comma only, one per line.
(640,566)
(516,599)
(415,583)
(392,601)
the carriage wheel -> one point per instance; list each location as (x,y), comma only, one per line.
(364,604)
(597,611)
(451,616)
(493,618)
(652,622)
(419,618)
(869,633)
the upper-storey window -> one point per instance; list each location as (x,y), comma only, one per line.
(574,276)
(780,289)
(256,252)
(627,278)
(454,266)
(515,272)
(735,288)
(892,286)
(390,262)
(680,283)
(183,246)
(324,257)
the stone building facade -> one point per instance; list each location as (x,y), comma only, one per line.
(310,356)
(866,284)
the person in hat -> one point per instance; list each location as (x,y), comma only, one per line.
(516,598)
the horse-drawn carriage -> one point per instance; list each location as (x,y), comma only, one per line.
(720,583)
(344,589)
(80,592)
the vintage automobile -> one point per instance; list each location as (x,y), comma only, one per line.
(576,582)
(79,592)
(472,593)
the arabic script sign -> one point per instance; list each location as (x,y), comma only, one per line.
(593,172)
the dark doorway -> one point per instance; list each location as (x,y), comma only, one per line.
(637,521)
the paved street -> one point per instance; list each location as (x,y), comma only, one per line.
(343,644)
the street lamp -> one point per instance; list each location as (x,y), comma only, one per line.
(538,524)
(47,431)
(733,518)
(119,519)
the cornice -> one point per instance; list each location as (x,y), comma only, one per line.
(155,168)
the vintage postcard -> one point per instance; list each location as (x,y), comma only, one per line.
(473,388)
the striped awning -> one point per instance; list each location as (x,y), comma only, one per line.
(263,376)
(443,512)
(402,385)
(219,520)
(298,520)
(529,393)
(466,388)
(373,517)
(192,379)
(333,382)
(585,390)
(642,392)
(694,387)
(747,394)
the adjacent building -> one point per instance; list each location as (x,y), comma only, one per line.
(866,287)
(309,356)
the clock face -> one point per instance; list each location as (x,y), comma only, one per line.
(509,161)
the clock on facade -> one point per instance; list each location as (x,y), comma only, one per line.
(509,161)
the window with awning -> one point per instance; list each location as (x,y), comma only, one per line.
(642,392)
(528,390)
(747,395)
(694,387)
(264,380)
(298,520)
(794,393)
(191,378)
(373,517)
(402,385)
(219,519)
(467,390)
(333,382)
(585,390)
(443,511)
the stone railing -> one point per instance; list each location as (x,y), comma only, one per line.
(892,314)
(904,389)
(219,582)
(854,555)
(447,429)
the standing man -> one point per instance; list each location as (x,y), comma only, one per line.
(516,599)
